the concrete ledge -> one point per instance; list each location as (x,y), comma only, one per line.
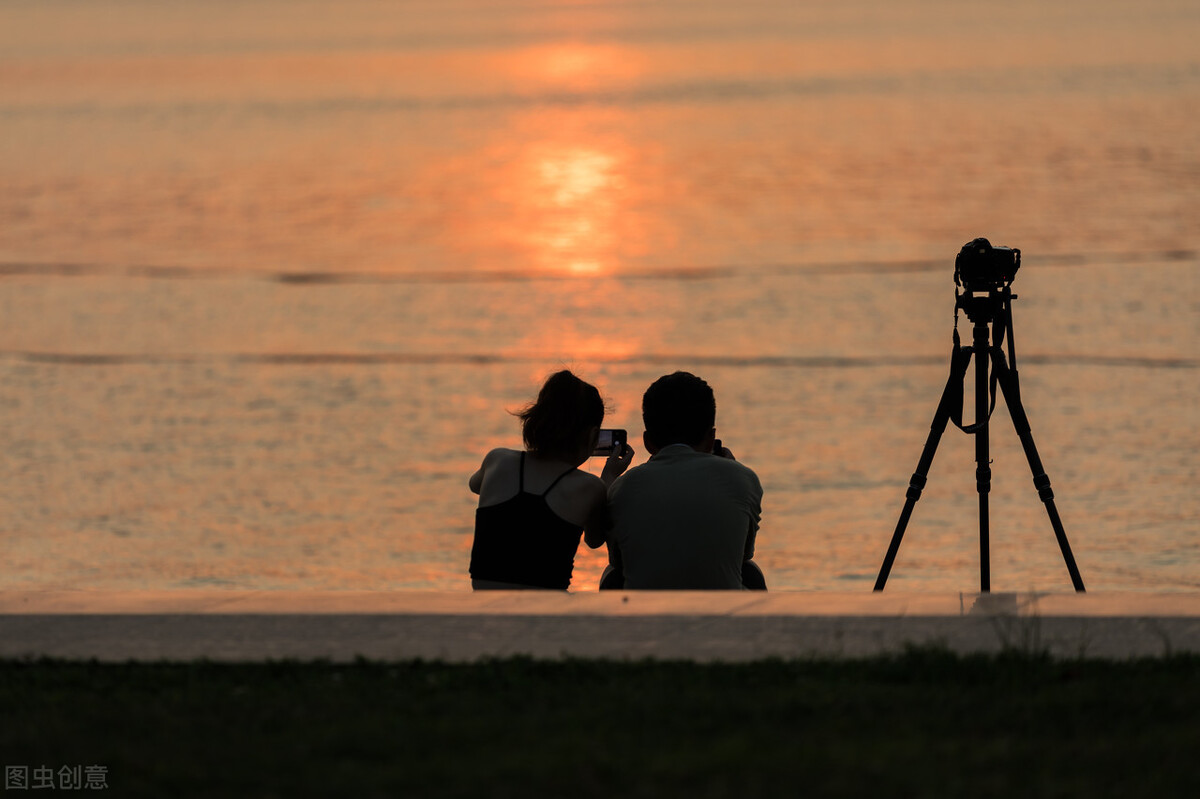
(701,626)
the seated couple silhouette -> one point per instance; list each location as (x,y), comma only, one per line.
(686,519)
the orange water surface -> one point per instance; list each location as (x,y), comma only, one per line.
(272,274)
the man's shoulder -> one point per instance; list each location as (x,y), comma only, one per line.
(668,468)
(620,481)
(741,472)
(647,472)
(724,465)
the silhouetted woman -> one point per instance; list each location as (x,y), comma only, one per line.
(535,503)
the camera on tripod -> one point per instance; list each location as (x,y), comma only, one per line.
(984,273)
(980,267)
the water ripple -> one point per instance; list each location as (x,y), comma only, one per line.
(645,359)
(680,273)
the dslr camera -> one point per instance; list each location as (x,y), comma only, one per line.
(981,267)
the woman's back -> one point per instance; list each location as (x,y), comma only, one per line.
(572,496)
(531,514)
(534,504)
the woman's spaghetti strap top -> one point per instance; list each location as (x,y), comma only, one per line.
(521,540)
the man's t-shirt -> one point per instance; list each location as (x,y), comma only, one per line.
(685,520)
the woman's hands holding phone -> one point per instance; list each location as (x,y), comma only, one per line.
(616,464)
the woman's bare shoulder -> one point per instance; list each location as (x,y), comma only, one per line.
(499,455)
(577,497)
(496,460)
(588,484)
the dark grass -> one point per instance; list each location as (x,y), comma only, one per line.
(925,723)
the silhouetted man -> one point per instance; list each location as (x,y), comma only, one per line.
(687,518)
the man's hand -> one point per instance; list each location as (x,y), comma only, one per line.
(616,464)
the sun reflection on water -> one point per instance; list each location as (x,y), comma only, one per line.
(570,202)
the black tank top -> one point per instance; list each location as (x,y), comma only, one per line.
(522,541)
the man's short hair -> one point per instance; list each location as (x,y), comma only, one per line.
(679,408)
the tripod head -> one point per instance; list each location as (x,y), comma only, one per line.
(990,311)
(985,307)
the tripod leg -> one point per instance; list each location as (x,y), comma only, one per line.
(1011,389)
(983,460)
(958,369)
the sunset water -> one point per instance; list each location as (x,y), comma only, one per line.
(273,274)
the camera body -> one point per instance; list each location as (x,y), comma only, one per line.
(981,267)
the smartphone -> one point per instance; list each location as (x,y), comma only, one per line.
(610,441)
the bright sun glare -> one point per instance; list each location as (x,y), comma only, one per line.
(576,185)
(574,174)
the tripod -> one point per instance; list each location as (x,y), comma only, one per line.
(983,309)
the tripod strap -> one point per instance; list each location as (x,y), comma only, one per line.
(959,360)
